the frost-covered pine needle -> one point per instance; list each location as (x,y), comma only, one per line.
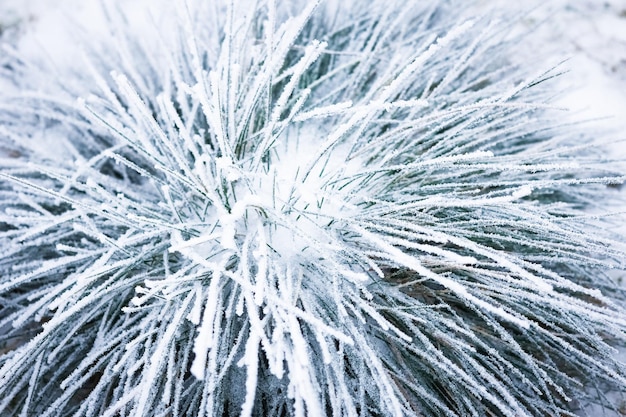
(307,208)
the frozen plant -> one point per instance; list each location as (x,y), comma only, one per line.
(262,208)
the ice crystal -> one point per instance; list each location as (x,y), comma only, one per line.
(299,208)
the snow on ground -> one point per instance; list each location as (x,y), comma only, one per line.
(594,35)
(591,34)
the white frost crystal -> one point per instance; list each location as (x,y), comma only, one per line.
(261,208)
